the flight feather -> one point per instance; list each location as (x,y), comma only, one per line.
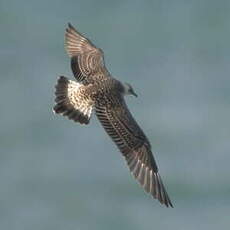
(135,147)
(87,61)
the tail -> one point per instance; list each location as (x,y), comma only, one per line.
(71,101)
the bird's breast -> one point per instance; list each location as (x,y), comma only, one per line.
(105,92)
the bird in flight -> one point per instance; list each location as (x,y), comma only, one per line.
(96,89)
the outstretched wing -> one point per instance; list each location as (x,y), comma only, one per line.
(134,145)
(87,61)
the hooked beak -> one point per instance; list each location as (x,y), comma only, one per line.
(134,94)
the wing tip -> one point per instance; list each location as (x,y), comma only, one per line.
(159,192)
(70,31)
(70,26)
(149,179)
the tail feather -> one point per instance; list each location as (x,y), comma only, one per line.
(71,101)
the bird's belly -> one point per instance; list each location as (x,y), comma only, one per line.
(105,93)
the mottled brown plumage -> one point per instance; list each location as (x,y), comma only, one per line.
(97,89)
(87,61)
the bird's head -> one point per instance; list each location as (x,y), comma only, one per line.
(128,90)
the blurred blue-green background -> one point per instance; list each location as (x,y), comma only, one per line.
(56,174)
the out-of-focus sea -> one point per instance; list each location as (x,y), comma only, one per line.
(55,174)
